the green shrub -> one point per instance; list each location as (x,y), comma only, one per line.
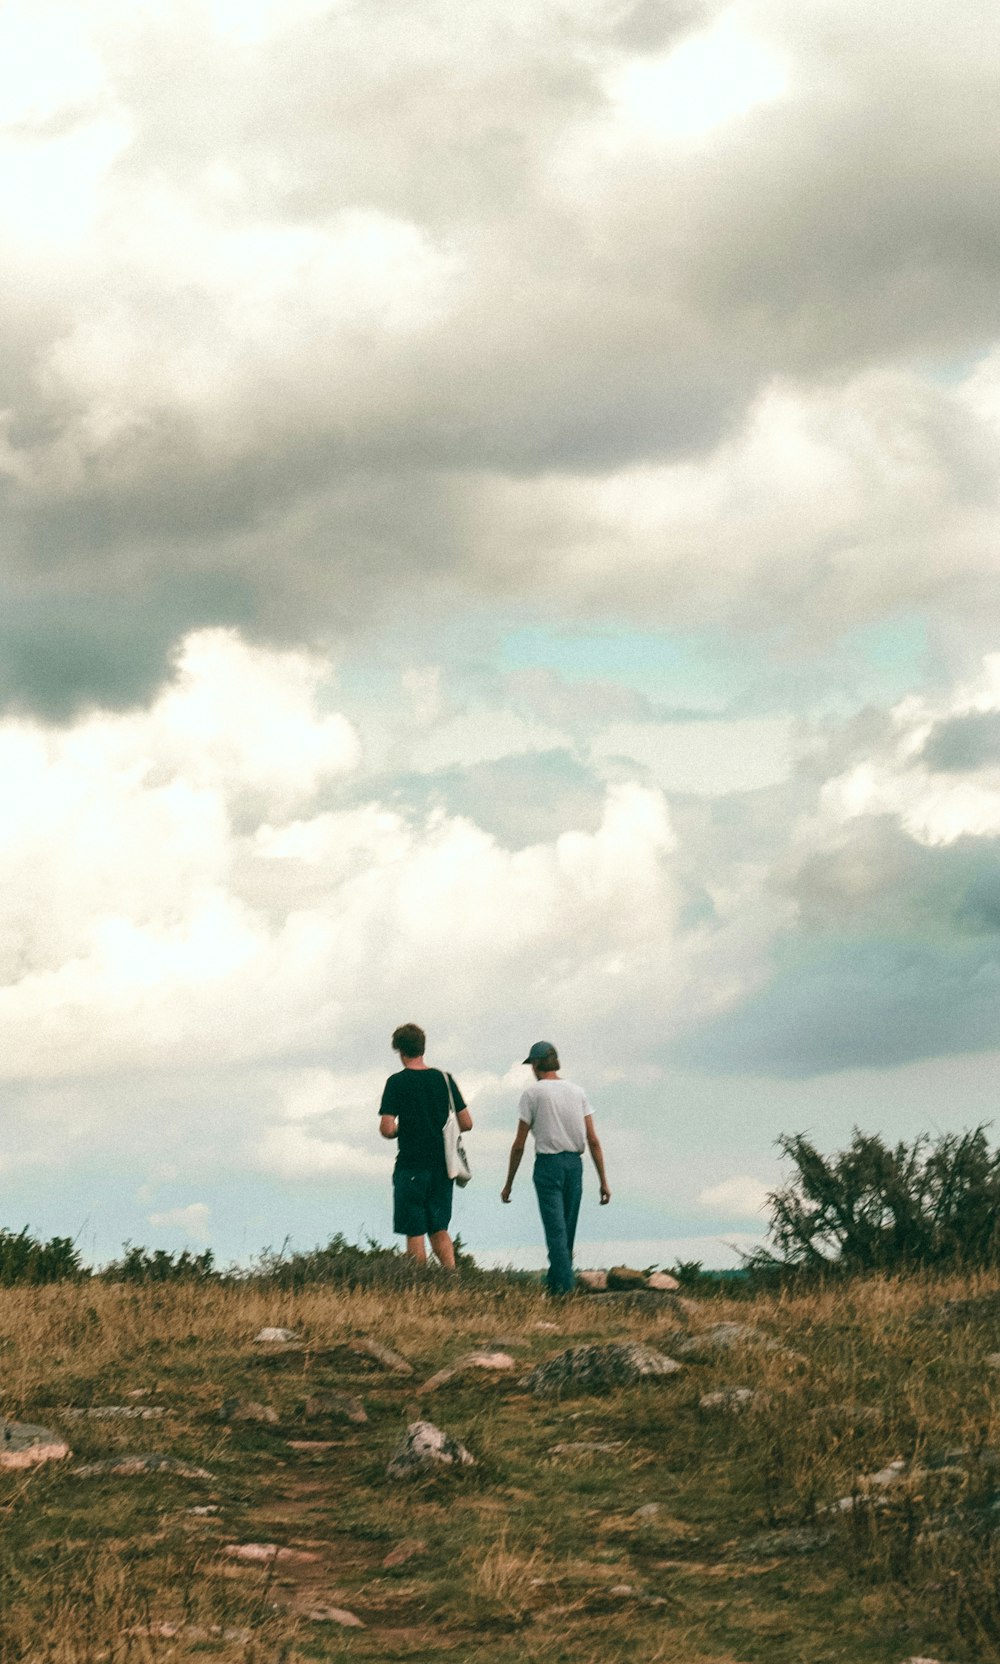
(24,1259)
(932,1204)
(138,1265)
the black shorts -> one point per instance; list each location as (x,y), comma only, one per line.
(421,1201)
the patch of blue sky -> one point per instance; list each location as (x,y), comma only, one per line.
(696,673)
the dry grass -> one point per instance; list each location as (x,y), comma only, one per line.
(523,1552)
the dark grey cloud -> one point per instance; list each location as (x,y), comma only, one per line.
(961,743)
(865,1005)
(344,281)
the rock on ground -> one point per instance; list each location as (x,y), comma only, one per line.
(336,1406)
(116,1412)
(596,1368)
(23,1445)
(426,1446)
(336,1615)
(275,1337)
(242,1409)
(365,1347)
(146,1461)
(721,1337)
(728,1398)
(265,1553)
(497,1362)
(408,1549)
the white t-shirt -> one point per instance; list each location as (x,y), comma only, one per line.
(554,1110)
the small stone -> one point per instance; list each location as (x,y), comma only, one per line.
(721,1337)
(242,1409)
(311,1447)
(116,1412)
(728,1398)
(335,1615)
(622,1589)
(365,1347)
(204,1510)
(150,1461)
(408,1549)
(552,1328)
(993,1360)
(648,1511)
(275,1337)
(495,1361)
(592,1281)
(585,1448)
(265,1553)
(597,1368)
(425,1446)
(24,1445)
(338,1406)
(802,1539)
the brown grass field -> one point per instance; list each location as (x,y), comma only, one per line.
(529,1555)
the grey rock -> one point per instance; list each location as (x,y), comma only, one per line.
(23,1444)
(495,1362)
(722,1337)
(140,1462)
(584,1447)
(115,1412)
(335,1406)
(734,1399)
(336,1615)
(598,1368)
(275,1337)
(241,1409)
(803,1539)
(424,1447)
(365,1347)
(648,1511)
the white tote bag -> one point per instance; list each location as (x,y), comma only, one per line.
(455,1158)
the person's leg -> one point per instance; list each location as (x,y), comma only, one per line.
(409,1210)
(549,1190)
(572,1197)
(444,1249)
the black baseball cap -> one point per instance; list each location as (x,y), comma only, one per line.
(540,1051)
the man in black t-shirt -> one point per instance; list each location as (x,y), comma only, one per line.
(414,1110)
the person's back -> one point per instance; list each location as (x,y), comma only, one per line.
(556,1111)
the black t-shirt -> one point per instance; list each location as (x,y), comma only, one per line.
(418,1098)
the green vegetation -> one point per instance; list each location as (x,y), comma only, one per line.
(534,1554)
(933,1204)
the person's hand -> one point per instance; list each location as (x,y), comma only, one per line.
(605,1195)
(505,1193)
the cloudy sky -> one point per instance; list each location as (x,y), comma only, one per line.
(500,522)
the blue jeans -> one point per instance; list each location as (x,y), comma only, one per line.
(559,1187)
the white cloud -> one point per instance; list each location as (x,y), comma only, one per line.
(934,806)
(292,1152)
(192,1221)
(739,1197)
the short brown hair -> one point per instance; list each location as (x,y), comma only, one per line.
(546,1065)
(409,1040)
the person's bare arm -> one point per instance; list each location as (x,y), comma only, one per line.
(388,1126)
(597,1157)
(464,1121)
(516,1152)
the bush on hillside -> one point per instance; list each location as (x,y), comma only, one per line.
(351,1265)
(138,1265)
(25,1259)
(932,1204)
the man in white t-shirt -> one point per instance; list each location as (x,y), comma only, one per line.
(558,1114)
